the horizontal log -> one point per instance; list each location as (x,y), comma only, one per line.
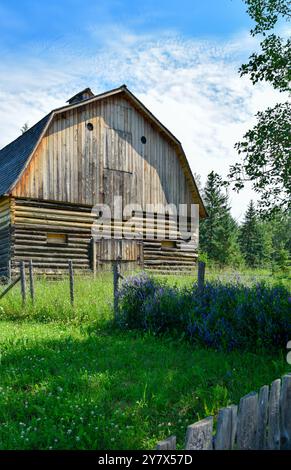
(55,228)
(51,204)
(43,243)
(54,210)
(50,221)
(54,216)
(52,262)
(171,254)
(165,262)
(58,248)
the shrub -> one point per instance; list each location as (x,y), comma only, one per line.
(225,316)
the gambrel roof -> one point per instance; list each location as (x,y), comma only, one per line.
(15,156)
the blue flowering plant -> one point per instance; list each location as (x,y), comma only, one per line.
(223,316)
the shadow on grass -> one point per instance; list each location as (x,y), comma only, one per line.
(106,390)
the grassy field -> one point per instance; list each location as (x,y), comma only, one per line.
(68,387)
(69,380)
(93,298)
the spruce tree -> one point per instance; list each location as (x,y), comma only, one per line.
(278,230)
(251,238)
(218,232)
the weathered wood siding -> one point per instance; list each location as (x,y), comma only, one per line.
(52,233)
(5,228)
(75,165)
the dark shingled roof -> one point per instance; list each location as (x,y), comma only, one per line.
(14,156)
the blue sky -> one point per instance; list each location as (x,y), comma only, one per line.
(24,22)
(180,57)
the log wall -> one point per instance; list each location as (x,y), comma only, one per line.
(52,233)
(34,220)
(5,227)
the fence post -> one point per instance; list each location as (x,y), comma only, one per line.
(71,275)
(9,272)
(247,424)
(31,280)
(285,406)
(116,277)
(199,435)
(226,428)
(274,416)
(115,288)
(167,444)
(263,417)
(94,257)
(23,281)
(201,275)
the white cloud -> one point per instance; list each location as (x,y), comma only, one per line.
(192,86)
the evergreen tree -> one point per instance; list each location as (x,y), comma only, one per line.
(218,232)
(251,238)
(278,231)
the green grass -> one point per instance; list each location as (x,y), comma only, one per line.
(73,387)
(93,301)
(69,380)
(245,276)
(93,298)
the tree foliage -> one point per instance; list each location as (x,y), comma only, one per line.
(266,13)
(266,151)
(218,232)
(266,148)
(251,238)
(272,65)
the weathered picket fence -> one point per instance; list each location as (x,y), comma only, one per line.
(261,421)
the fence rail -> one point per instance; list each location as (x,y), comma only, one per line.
(261,421)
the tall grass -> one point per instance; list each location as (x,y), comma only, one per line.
(70,382)
(66,386)
(93,301)
(94,297)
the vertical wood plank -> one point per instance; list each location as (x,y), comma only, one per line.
(94,257)
(285,409)
(23,281)
(263,406)
(201,275)
(115,288)
(167,444)
(226,428)
(247,422)
(234,409)
(9,277)
(71,275)
(199,435)
(274,416)
(31,281)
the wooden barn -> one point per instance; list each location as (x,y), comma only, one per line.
(85,153)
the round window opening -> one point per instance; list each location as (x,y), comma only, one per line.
(143,140)
(90,126)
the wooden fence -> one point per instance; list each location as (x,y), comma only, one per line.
(261,421)
(22,279)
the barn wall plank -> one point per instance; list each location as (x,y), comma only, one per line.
(68,165)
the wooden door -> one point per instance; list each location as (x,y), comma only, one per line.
(118,175)
(125,250)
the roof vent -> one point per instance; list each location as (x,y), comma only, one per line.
(82,95)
